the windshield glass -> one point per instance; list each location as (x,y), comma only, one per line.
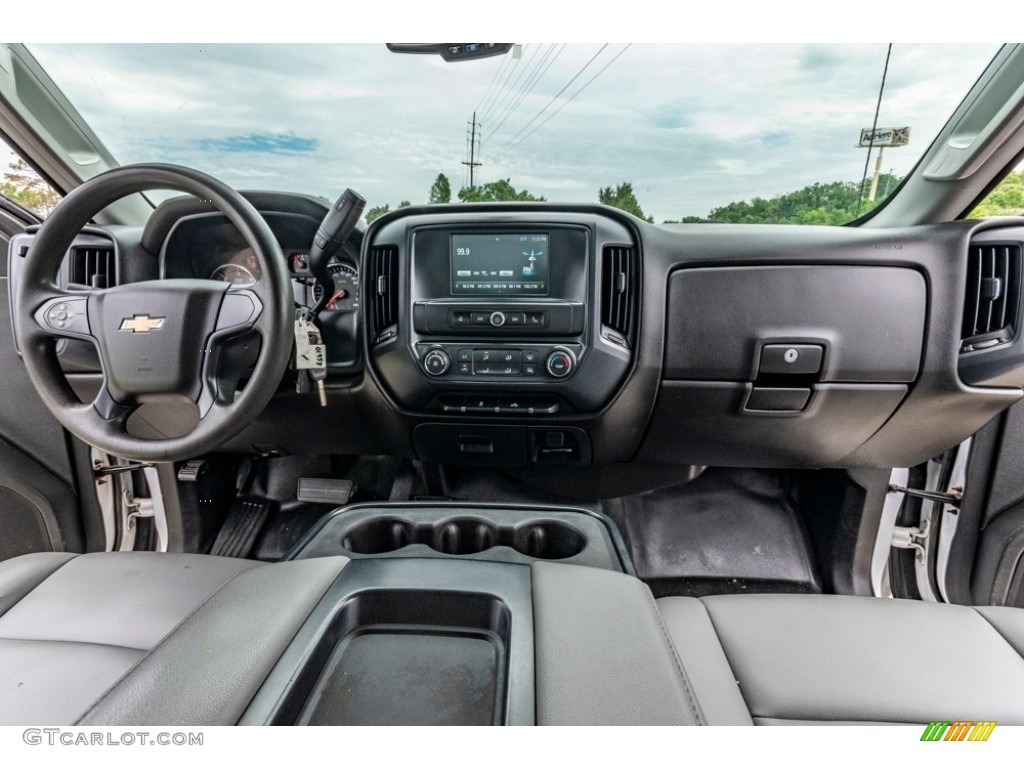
(671,133)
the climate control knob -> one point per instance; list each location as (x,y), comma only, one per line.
(559,363)
(437,362)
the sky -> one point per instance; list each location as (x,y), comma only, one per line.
(691,126)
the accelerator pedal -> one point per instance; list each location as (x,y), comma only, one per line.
(242,526)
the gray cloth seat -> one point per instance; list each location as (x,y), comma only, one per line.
(142,638)
(155,639)
(828,659)
(609,654)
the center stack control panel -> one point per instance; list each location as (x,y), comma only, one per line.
(496,315)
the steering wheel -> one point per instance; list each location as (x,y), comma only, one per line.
(159,339)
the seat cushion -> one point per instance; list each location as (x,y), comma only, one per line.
(76,630)
(815,658)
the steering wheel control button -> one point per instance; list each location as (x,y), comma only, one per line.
(66,316)
(498,319)
(437,362)
(560,363)
(799,359)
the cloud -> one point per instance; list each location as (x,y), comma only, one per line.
(270,143)
(692,127)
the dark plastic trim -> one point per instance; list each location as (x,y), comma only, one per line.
(468,509)
(301,663)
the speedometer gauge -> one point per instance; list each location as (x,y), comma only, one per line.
(241,268)
(345,296)
(236,274)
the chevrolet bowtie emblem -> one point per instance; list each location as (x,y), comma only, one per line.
(141,324)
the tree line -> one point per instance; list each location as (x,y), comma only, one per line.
(837,202)
(502,190)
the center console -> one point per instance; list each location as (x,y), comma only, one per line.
(469,614)
(525,317)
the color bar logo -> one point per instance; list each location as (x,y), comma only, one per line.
(961,730)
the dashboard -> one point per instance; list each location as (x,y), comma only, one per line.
(208,247)
(540,337)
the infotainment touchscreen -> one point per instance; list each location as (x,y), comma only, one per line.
(500,264)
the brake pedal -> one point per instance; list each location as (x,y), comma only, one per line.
(238,534)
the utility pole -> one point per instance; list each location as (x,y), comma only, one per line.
(473,152)
(878,172)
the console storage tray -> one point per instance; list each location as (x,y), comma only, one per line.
(393,663)
(409,642)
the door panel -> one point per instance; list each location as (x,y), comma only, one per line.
(997,559)
(38,503)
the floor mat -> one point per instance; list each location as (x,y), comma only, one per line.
(727,531)
(283,530)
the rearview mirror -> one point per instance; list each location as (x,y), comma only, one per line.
(453,51)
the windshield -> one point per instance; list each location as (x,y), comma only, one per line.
(672,133)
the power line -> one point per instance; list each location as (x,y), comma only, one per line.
(494,79)
(531,83)
(507,64)
(562,106)
(501,89)
(874,127)
(554,98)
(509,92)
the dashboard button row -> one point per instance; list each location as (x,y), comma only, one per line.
(503,405)
(498,362)
(556,362)
(497,319)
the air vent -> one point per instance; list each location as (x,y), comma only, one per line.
(618,286)
(384,289)
(92,267)
(992,299)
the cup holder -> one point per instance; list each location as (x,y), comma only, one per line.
(375,537)
(463,536)
(548,541)
(544,540)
